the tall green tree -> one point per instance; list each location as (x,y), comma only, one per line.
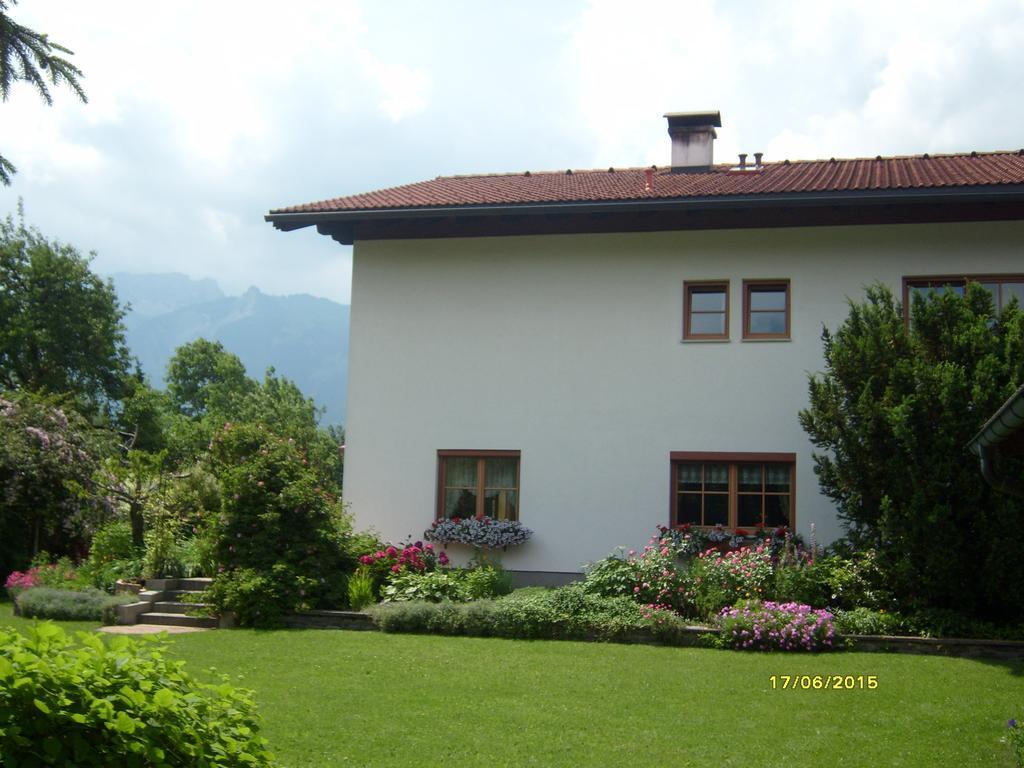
(31,57)
(203,377)
(60,324)
(892,415)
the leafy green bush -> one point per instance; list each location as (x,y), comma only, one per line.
(612,576)
(112,541)
(456,584)
(65,605)
(566,612)
(261,599)
(112,556)
(278,528)
(864,621)
(88,703)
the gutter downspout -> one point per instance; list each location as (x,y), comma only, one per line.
(1004,423)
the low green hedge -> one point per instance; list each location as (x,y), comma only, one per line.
(89,703)
(564,613)
(65,605)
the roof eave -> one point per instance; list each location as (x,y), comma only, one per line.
(290,220)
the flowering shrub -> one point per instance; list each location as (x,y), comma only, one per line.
(478,532)
(411,557)
(651,577)
(718,580)
(48,457)
(754,625)
(18,581)
(279,535)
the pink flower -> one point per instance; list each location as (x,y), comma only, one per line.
(443,558)
(396,568)
(391,551)
(366,559)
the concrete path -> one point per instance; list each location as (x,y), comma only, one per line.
(148,629)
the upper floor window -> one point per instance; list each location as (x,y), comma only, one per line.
(1003,288)
(706,310)
(478,484)
(766,309)
(736,490)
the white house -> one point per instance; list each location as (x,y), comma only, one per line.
(600,352)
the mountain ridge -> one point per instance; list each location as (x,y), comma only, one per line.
(303,337)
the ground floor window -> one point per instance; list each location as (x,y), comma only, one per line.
(736,490)
(478,484)
(1003,288)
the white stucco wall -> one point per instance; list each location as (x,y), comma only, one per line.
(568,348)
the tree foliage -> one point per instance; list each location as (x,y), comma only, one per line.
(60,324)
(31,57)
(893,414)
(203,377)
(48,455)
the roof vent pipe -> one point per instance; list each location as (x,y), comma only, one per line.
(693,137)
(743,161)
(757,159)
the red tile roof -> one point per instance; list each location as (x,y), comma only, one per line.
(804,176)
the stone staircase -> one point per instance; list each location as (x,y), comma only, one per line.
(168,602)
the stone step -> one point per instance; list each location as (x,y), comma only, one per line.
(178,620)
(197,584)
(175,595)
(169,606)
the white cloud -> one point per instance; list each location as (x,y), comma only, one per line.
(204,115)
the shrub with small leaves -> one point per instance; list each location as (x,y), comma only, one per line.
(66,605)
(864,621)
(89,703)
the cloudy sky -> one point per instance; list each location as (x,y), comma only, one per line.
(202,116)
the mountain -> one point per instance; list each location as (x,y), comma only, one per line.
(303,337)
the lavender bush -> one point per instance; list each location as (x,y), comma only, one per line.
(754,625)
(478,532)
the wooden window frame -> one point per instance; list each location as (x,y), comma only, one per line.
(911,281)
(701,286)
(481,478)
(733,460)
(782,283)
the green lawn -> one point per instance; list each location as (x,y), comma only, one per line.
(352,698)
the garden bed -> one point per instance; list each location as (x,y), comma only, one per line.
(691,636)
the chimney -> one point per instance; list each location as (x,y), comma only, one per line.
(693,137)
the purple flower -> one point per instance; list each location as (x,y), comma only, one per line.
(1011,723)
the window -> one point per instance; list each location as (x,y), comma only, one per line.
(766,309)
(1002,287)
(736,490)
(706,310)
(478,483)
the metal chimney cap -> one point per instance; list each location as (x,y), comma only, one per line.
(694,119)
